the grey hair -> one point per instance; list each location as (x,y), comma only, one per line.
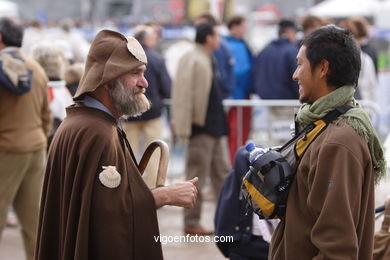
(141,32)
(51,58)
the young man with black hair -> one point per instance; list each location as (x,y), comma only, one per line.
(199,119)
(330,208)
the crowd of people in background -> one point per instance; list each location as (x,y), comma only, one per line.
(209,69)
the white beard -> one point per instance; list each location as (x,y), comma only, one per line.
(131,102)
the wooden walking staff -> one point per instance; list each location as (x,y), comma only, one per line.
(163,163)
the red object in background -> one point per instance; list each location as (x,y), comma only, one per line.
(177,9)
(269,8)
(234,142)
(174,4)
(51,93)
(268,13)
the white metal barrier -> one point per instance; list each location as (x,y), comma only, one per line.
(273,126)
(279,130)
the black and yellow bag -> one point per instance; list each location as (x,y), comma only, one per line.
(266,184)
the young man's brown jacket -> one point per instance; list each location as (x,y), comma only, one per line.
(329,210)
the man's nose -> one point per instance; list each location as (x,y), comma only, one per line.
(295,76)
(144,83)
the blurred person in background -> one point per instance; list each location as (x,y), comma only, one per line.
(272,74)
(32,34)
(222,55)
(242,84)
(199,120)
(25,122)
(275,65)
(309,24)
(52,60)
(251,235)
(367,84)
(73,74)
(175,52)
(223,58)
(158,30)
(70,40)
(363,37)
(144,129)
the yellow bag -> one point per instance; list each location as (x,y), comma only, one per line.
(382,237)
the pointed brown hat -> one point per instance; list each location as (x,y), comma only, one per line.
(110,56)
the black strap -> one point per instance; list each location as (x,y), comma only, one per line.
(328,118)
(122,134)
(332,115)
(281,205)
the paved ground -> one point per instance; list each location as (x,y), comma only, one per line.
(11,247)
(171,223)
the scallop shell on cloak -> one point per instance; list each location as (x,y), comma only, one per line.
(110,177)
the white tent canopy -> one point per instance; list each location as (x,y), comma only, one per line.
(382,19)
(345,8)
(8,8)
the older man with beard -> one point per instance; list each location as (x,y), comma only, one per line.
(95,204)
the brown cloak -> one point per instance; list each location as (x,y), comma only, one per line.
(81,218)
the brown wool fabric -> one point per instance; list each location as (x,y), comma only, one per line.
(110,56)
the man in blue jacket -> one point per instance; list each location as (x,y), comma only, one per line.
(272,71)
(275,65)
(243,83)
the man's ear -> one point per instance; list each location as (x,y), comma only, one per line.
(106,87)
(324,68)
(207,39)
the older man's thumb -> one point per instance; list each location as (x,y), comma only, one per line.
(194,180)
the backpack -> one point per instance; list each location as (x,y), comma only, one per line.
(266,184)
(15,77)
